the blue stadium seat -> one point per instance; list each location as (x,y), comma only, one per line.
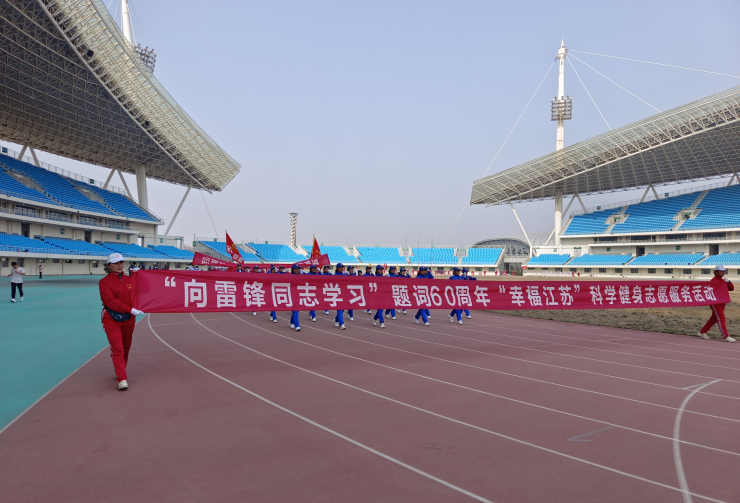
(55,186)
(433,256)
(654,216)
(336,254)
(78,247)
(118,203)
(276,253)
(590,223)
(133,251)
(549,259)
(18,243)
(173,252)
(668,259)
(380,255)
(599,260)
(720,209)
(725,258)
(482,256)
(220,247)
(12,187)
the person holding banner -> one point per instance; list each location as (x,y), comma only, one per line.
(425,272)
(469,278)
(379,315)
(339,318)
(351,272)
(718,283)
(273,314)
(456,312)
(368,272)
(294,322)
(326,272)
(118,315)
(256,269)
(313,270)
(403,273)
(391,274)
(422,313)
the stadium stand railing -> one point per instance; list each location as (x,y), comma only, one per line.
(549,259)
(596,259)
(667,259)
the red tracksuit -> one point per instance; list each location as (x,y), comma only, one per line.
(718,310)
(116,293)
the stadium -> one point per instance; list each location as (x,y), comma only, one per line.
(236,401)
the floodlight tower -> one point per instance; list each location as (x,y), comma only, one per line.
(293,226)
(560,111)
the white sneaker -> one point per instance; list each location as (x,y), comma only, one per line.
(326,312)
(729,339)
(122,385)
(297,329)
(416,321)
(469,317)
(426,323)
(703,336)
(254,313)
(343,327)
(336,324)
(292,326)
(351,318)
(452,320)
(21,298)
(274,320)
(404,311)
(459,322)
(382,325)
(391,318)
(375,322)
(429,316)
(12,300)
(313,319)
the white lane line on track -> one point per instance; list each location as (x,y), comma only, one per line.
(491,370)
(58,384)
(324,428)
(532,348)
(427,330)
(542,407)
(578,438)
(181,322)
(592,332)
(736,369)
(457,421)
(677,445)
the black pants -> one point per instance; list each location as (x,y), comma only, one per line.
(13,286)
(41,275)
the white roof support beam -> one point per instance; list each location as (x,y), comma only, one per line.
(177,212)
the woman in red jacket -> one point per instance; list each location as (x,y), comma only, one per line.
(118,316)
(718,310)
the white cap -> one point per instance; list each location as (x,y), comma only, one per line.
(720,268)
(114,257)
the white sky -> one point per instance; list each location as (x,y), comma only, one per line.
(372,119)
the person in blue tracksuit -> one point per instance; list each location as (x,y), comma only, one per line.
(273,314)
(456,312)
(256,270)
(326,272)
(425,273)
(379,315)
(314,269)
(368,272)
(422,313)
(403,273)
(294,322)
(391,274)
(469,278)
(339,319)
(351,272)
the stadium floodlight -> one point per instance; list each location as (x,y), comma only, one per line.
(561,109)
(147,55)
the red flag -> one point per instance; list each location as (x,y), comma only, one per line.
(232,250)
(201,259)
(315,251)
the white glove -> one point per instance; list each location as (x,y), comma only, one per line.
(136,312)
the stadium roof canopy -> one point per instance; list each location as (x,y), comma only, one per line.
(72,85)
(696,141)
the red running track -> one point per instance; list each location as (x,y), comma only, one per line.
(505,409)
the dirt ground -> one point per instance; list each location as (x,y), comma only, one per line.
(684,321)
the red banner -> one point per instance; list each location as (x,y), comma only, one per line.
(319,261)
(232,250)
(201,259)
(187,291)
(315,250)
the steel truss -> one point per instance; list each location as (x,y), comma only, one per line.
(73,86)
(696,141)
